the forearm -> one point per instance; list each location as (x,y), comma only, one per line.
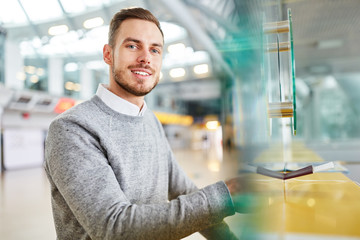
(181,184)
(174,220)
(105,204)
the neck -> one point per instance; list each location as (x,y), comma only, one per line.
(119,91)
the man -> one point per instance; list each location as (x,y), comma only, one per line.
(111,170)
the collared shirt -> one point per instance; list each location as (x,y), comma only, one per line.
(117,103)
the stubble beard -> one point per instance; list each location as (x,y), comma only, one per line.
(121,82)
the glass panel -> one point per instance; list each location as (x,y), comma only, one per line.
(279,72)
(72,85)
(95,3)
(71,6)
(292,70)
(11,13)
(35,74)
(35,9)
(2,55)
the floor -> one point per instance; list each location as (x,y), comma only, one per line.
(25,208)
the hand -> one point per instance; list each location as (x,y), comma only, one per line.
(237,185)
(240,189)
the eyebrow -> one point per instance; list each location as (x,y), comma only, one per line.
(129,39)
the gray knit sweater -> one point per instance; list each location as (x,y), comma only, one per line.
(114,176)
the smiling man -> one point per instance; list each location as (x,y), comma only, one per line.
(135,57)
(110,167)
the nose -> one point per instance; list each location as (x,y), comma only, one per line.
(144,57)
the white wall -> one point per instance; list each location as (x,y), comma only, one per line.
(13,65)
(15,119)
(56,76)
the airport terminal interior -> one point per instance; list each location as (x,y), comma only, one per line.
(261,88)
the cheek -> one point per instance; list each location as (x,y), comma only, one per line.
(121,63)
(158,64)
(122,58)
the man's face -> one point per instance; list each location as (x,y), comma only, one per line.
(137,57)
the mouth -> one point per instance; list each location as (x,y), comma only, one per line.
(141,73)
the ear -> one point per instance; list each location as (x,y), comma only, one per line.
(107,54)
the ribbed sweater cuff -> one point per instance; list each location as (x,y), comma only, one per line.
(220,201)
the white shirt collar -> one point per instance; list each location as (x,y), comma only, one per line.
(117,103)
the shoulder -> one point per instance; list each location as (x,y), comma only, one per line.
(87,107)
(151,117)
(86,113)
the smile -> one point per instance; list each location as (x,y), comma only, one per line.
(141,73)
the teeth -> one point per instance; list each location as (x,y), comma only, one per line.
(141,73)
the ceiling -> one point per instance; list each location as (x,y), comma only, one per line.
(326,32)
(326,35)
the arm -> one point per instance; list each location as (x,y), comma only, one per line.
(180,183)
(78,167)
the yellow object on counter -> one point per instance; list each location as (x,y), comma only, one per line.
(320,203)
(323,205)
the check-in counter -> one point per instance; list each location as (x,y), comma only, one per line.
(318,206)
(321,206)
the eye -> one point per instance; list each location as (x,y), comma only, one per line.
(131,46)
(155,51)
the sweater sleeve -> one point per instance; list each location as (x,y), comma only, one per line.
(82,177)
(180,183)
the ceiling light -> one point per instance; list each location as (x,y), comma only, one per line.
(330,82)
(40,71)
(93,22)
(77,87)
(173,32)
(36,42)
(201,69)
(71,67)
(69,86)
(34,78)
(333,43)
(30,69)
(176,48)
(177,72)
(212,125)
(96,65)
(57,30)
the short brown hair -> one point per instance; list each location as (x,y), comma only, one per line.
(128,13)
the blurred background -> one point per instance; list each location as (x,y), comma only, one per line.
(230,76)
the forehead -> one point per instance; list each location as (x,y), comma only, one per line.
(142,30)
